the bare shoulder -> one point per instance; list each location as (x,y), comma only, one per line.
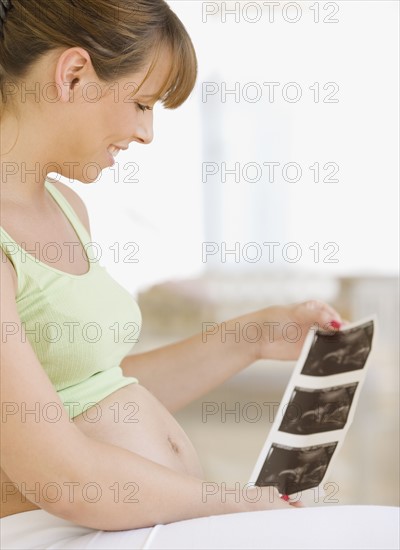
(75,201)
(7,272)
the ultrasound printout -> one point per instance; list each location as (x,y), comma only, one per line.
(316,410)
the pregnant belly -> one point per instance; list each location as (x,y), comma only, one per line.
(134,419)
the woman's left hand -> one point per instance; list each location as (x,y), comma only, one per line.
(284,328)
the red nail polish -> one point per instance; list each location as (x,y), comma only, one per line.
(336,324)
(285,497)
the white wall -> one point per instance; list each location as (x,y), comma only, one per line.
(170,212)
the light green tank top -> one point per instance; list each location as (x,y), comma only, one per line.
(80,326)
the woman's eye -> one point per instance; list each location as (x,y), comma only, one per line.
(143,107)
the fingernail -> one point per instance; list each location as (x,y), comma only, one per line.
(335,324)
(285,497)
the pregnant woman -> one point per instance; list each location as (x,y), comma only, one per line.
(88,441)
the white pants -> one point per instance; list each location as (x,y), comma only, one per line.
(321,527)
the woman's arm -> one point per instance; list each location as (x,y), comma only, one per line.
(116,489)
(179,373)
(78,478)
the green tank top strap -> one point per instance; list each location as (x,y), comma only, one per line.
(69,212)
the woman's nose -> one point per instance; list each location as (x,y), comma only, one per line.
(144,130)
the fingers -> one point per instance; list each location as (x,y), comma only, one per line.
(323,314)
(297,504)
(280,504)
(317,307)
(279,501)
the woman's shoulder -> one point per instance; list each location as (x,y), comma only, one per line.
(74,200)
(7,269)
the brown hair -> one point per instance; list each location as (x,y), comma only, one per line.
(119,36)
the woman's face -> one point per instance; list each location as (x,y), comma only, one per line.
(105,121)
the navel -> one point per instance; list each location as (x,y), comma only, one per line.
(174,446)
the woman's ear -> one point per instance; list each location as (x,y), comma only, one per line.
(74,67)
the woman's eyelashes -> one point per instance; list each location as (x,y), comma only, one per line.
(144,107)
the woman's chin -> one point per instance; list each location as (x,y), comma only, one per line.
(88,172)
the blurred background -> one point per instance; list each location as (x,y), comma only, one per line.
(277,181)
